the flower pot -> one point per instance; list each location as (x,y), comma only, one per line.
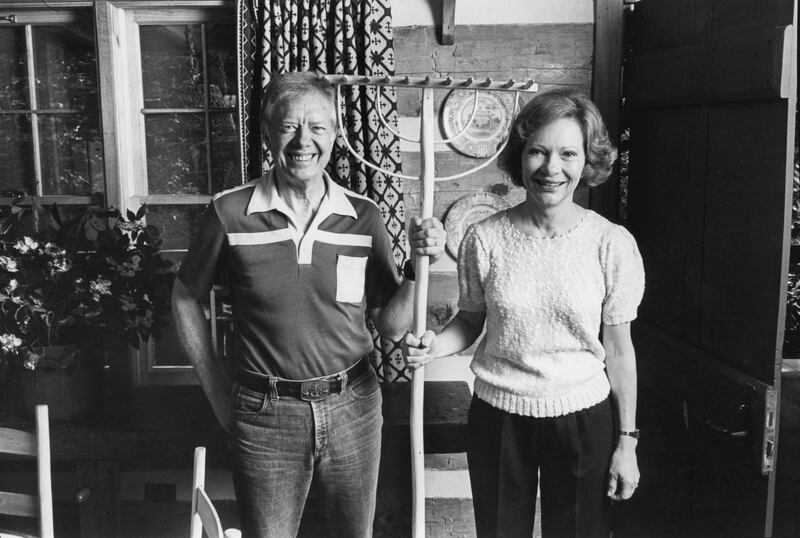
(69,379)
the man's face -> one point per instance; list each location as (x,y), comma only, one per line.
(301,137)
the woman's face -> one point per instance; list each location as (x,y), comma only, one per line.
(552,163)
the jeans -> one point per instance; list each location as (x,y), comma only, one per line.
(567,456)
(301,465)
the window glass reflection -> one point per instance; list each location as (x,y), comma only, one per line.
(172,66)
(176,154)
(66,72)
(13,69)
(16,154)
(72,154)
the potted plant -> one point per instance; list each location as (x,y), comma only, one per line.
(68,286)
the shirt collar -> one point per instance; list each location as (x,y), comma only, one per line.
(265,197)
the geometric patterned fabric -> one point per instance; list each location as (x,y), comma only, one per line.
(352,37)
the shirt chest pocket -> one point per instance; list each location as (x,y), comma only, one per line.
(350,278)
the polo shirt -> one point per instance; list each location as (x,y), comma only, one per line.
(299,300)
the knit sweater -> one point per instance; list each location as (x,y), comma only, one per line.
(545,300)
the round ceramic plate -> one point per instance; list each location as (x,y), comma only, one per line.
(489,127)
(469,210)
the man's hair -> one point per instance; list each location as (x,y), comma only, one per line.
(548,107)
(287,86)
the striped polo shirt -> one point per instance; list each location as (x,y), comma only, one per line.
(299,300)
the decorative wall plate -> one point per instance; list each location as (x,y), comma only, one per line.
(489,127)
(469,210)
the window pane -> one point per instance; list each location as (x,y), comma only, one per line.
(224,151)
(72,154)
(16,154)
(178,223)
(13,69)
(66,73)
(221,39)
(172,66)
(176,154)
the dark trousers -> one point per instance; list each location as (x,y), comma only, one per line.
(508,454)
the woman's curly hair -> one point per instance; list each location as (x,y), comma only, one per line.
(548,107)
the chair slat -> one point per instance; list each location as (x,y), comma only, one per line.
(17,442)
(18,504)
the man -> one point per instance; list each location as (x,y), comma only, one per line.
(307,260)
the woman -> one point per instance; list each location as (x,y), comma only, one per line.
(556,286)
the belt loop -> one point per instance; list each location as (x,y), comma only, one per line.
(343,381)
(273,388)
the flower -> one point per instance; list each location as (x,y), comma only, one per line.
(8,264)
(9,343)
(96,273)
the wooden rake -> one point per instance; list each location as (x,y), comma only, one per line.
(426,142)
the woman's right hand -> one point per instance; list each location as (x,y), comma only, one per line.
(417,351)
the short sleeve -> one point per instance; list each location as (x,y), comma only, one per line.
(382,278)
(624,277)
(473,264)
(200,267)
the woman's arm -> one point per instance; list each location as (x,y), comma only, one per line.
(621,370)
(459,333)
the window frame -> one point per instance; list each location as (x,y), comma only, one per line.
(121,86)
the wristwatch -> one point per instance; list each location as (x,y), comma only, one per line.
(408,270)
(630,433)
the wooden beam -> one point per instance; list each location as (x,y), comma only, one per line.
(448,22)
(606,92)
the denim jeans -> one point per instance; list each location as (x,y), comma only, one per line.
(292,456)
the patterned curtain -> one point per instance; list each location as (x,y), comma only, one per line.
(351,37)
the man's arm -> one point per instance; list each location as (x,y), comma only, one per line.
(194,335)
(393,320)
(427,238)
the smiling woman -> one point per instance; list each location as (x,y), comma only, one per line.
(544,278)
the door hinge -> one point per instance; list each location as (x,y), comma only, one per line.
(768,443)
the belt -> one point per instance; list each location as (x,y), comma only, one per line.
(310,390)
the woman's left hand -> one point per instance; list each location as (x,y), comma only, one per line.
(623,476)
(427,237)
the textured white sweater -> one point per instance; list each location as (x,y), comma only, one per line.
(545,299)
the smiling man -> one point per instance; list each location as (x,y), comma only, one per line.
(308,260)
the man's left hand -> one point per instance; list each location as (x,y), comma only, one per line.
(427,238)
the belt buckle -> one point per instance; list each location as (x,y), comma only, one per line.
(312,391)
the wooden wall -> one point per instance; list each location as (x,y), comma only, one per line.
(553,55)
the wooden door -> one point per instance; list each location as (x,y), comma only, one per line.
(709,92)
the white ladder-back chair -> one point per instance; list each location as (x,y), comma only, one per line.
(34,445)
(204,515)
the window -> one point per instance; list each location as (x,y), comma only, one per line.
(50,143)
(178,115)
(144,113)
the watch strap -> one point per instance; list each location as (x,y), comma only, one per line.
(630,433)
(408,270)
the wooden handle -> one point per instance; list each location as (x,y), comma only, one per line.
(420,313)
